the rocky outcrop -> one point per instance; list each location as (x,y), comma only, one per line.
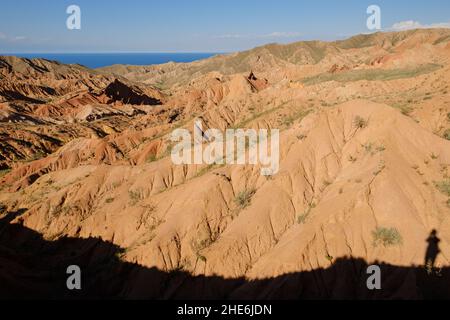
(119,92)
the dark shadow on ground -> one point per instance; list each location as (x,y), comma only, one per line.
(32,267)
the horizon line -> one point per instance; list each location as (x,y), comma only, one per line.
(120,52)
(337,39)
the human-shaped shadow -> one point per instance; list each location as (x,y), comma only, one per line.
(432,250)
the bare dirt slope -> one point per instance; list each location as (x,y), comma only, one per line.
(364,164)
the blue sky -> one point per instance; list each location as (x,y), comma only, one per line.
(196,25)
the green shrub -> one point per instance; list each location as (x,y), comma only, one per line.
(109,200)
(360,122)
(447,134)
(386,237)
(434,156)
(444,187)
(134,197)
(244,198)
(301,219)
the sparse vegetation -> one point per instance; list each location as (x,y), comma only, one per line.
(109,200)
(151,158)
(372,148)
(134,197)
(289,121)
(446,134)
(256,116)
(116,184)
(380,169)
(205,170)
(160,85)
(316,51)
(434,156)
(357,42)
(368,147)
(302,218)
(4,172)
(37,156)
(444,187)
(360,122)
(386,237)
(404,109)
(120,253)
(326,183)
(244,198)
(199,245)
(442,39)
(372,74)
(329,258)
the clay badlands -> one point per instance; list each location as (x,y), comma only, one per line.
(87,178)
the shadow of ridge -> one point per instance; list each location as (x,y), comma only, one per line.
(32,267)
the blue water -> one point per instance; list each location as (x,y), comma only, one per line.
(97,60)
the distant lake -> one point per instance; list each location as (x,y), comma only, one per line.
(97,60)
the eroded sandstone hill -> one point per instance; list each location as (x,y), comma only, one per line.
(364,170)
